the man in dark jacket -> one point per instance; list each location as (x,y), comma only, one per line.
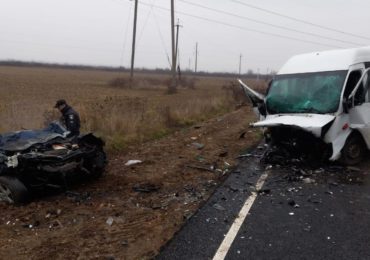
(70,117)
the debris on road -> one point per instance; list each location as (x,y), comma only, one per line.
(292,203)
(264,191)
(218,207)
(308,180)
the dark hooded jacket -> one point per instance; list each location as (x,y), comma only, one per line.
(71,120)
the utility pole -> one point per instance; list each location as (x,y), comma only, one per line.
(240,64)
(196,57)
(177,49)
(133,45)
(172,87)
(177,38)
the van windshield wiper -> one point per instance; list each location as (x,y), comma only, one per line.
(310,110)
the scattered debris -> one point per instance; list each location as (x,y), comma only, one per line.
(55,223)
(355,169)
(200,158)
(223,154)
(78,197)
(203,168)
(308,180)
(133,162)
(218,207)
(292,203)
(308,228)
(199,146)
(293,189)
(268,167)
(264,191)
(245,155)
(145,187)
(187,215)
(36,223)
(124,243)
(235,188)
(314,199)
(109,221)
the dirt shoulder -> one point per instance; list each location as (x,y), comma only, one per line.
(133,210)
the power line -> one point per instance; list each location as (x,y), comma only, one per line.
(268,24)
(300,20)
(125,35)
(53,45)
(145,23)
(245,28)
(162,39)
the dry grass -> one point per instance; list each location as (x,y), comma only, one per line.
(120,115)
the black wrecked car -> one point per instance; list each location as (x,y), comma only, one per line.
(36,160)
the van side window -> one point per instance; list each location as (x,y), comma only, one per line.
(351,84)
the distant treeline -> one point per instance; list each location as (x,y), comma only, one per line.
(250,74)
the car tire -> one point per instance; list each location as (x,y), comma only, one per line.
(12,190)
(96,165)
(354,150)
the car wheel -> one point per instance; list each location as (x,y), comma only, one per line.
(354,150)
(96,165)
(12,190)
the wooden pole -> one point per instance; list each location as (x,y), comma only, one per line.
(133,45)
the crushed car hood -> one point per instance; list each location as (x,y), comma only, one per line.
(309,122)
(22,140)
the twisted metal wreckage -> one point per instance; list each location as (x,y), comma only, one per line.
(33,160)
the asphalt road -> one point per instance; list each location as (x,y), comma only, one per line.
(301,212)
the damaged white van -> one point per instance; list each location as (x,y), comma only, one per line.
(320,101)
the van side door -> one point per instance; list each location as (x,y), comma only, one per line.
(358,101)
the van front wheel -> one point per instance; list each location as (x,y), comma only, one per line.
(354,150)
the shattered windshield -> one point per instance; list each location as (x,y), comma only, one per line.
(317,92)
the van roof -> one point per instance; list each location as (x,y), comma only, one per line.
(326,60)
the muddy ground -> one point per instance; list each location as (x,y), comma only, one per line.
(132,211)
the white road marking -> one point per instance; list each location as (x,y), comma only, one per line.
(234,229)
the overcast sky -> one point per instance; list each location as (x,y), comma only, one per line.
(99,32)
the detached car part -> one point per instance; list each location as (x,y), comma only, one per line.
(33,160)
